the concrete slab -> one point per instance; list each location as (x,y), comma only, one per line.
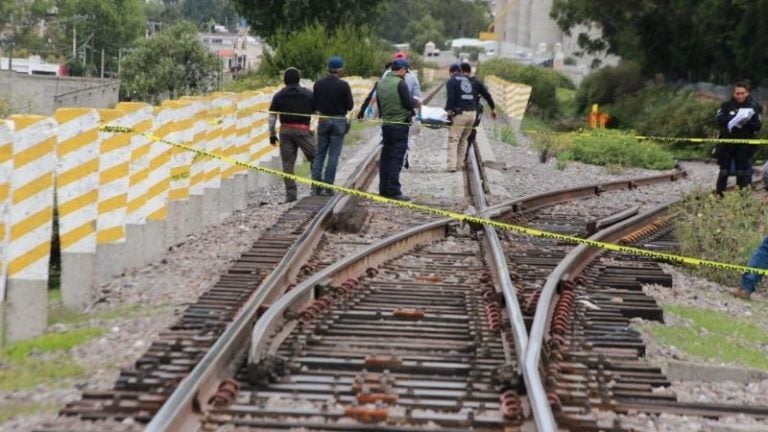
(688,371)
(78,279)
(493,174)
(176,223)
(25,310)
(195,214)
(154,244)
(240,194)
(266,180)
(226,199)
(210,207)
(134,255)
(110,261)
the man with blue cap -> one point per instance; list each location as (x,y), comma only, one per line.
(333,100)
(396,106)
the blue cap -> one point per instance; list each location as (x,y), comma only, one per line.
(400,64)
(455,68)
(335,63)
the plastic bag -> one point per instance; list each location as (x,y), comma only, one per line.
(434,117)
(372,110)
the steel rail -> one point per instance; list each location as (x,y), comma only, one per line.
(180,410)
(572,264)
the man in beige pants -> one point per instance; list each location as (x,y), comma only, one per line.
(461,107)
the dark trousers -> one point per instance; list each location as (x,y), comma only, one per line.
(291,141)
(473,134)
(739,155)
(394,145)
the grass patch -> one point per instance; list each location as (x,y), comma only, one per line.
(535,124)
(60,314)
(12,410)
(505,134)
(723,230)
(613,148)
(714,336)
(43,360)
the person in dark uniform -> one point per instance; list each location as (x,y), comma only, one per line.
(460,105)
(396,106)
(295,107)
(738,118)
(479,90)
(333,100)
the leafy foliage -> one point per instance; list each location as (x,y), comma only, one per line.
(608,85)
(420,21)
(269,18)
(614,148)
(309,49)
(710,40)
(545,82)
(172,64)
(209,11)
(707,229)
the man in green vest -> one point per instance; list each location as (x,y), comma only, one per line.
(396,107)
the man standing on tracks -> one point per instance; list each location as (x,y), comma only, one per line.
(478,89)
(294,105)
(461,108)
(333,100)
(396,106)
(738,118)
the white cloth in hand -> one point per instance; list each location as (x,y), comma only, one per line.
(741,117)
(433,113)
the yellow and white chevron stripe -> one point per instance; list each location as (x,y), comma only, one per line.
(181,161)
(6,169)
(213,144)
(159,175)
(31,212)
(114,181)
(201,124)
(139,116)
(225,106)
(259,147)
(77,178)
(250,107)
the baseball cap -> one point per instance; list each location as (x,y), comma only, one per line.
(399,55)
(400,64)
(335,63)
(454,68)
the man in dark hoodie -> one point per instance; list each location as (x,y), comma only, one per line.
(738,118)
(295,107)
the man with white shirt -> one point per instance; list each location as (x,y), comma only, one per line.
(738,118)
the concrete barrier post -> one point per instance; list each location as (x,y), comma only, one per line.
(140,117)
(226,108)
(212,167)
(249,106)
(259,146)
(6,169)
(30,219)
(77,183)
(159,182)
(114,166)
(199,136)
(181,170)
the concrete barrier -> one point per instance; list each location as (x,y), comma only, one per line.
(6,169)
(77,193)
(30,218)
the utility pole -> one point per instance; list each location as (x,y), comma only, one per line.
(74,42)
(102,63)
(119,60)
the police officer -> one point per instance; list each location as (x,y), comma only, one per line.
(461,107)
(478,89)
(738,118)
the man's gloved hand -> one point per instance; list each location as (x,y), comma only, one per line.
(493,114)
(273,140)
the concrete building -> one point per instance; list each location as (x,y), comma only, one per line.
(527,33)
(240,52)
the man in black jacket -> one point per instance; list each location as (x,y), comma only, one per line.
(333,100)
(738,118)
(295,107)
(478,89)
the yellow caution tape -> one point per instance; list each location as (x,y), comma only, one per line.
(453,215)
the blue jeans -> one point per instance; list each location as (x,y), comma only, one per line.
(330,138)
(759,259)
(393,147)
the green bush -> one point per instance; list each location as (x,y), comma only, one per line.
(309,49)
(608,85)
(617,148)
(251,81)
(661,111)
(725,230)
(545,82)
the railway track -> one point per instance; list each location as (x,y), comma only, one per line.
(424,326)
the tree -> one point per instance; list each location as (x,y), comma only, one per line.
(210,11)
(268,18)
(21,20)
(419,21)
(107,25)
(171,64)
(713,40)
